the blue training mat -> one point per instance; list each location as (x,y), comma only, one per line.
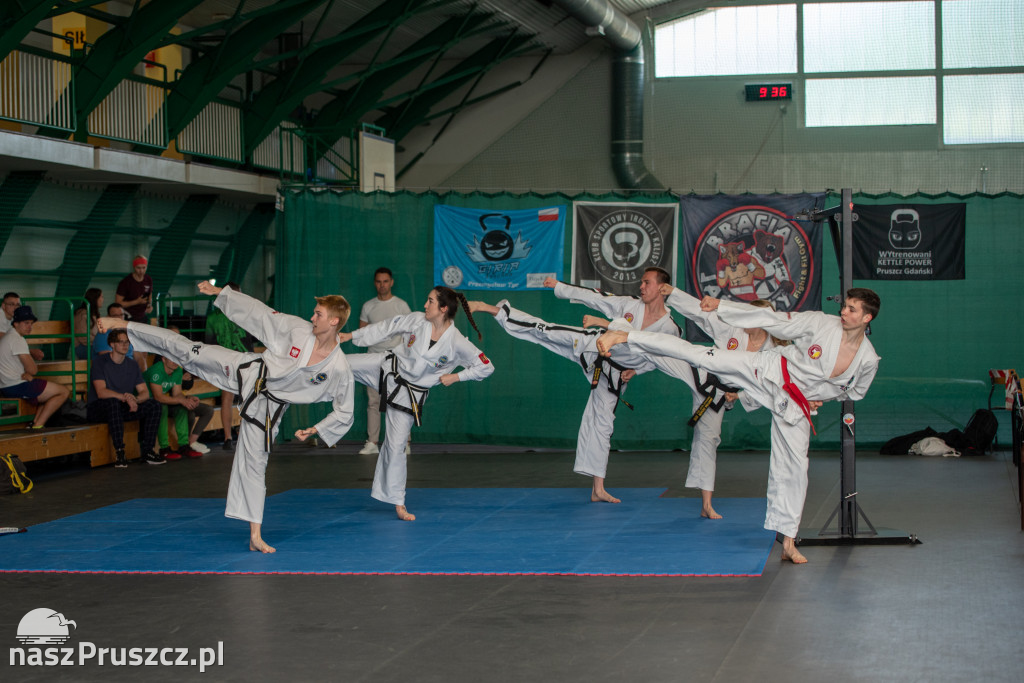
(457,531)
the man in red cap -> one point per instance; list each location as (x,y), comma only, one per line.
(135,291)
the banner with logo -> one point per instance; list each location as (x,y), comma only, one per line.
(488,249)
(613,244)
(748,247)
(909,242)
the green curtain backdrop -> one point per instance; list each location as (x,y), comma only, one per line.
(937,340)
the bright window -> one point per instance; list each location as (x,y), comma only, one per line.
(983,109)
(869,36)
(869,101)
(982,33)
(728,41)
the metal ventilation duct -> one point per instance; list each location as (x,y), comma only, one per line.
(627,88)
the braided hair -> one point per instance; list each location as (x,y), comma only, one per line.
(448,298)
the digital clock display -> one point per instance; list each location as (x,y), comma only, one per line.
(766,92)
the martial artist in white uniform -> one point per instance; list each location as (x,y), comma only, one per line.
(596,427)
(707,432)
(266,383)
(408,372)
(784,380)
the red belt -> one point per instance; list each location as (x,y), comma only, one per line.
(795,393)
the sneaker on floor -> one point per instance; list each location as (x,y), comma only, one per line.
(199,447)
(229,445)
(121,460)
(369,448)
(155,459)
(168,454)
(191,453)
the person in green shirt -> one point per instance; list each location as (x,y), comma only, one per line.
(164,380)
(223,332)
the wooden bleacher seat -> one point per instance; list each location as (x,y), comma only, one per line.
(89,438)
(60,371)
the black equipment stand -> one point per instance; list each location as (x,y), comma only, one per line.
(848,512)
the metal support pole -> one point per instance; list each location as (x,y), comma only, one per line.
(848,512)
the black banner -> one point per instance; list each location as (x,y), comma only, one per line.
(748,247)
(909,241)
(612,244)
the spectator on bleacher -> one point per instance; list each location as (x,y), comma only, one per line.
(86,316)
(101,347)
(223,332)
(18,371)
(135,291)
(118,393)
(165,379)
(11,302)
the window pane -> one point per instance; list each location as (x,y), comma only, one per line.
(869,101)
(869,36)
(728,41)
(980,109)
(982,33)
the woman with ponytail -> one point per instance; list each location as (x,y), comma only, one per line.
(430,353)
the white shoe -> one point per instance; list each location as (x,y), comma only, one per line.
(199,447)
(408,449)
(370,448)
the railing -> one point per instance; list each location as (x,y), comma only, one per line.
(133,112)
(283,150)
(37,90)
(164,312)
(215,133)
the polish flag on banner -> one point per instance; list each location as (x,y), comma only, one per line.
(547,214)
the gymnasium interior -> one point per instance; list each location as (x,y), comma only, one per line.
(295,146)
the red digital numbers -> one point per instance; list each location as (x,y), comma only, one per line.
(768,91)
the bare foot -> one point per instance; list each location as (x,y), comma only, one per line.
(599,495)
(708,512)
(261,546)
(480,306)
(594,321)
(105,324)
(404,514)
(609,339)
(789,551)
(256,542)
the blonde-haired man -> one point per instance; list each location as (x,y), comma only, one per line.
(303,363)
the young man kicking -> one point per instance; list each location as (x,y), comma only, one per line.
(608,379)
(830,359)
(302,364)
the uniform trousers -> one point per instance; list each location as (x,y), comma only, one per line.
(707,433)
(391,472)
(790,431)
(247,490)
(593,441)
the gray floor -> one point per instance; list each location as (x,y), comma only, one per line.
(949,609)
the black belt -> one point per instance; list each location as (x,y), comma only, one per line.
(709,388)
(260,389)
(417,394)
(614,385)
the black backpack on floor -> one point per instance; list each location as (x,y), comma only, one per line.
(981,430)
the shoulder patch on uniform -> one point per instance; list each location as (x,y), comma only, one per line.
(294,353)
(484,359)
